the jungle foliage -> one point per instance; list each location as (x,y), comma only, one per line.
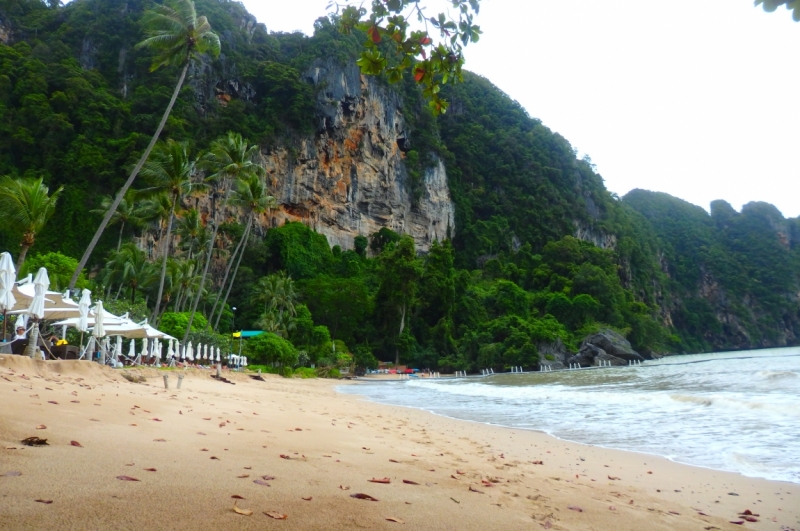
(541,253)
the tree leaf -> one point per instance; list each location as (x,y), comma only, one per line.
(46,502)
(381,480)
(362,496)
(409,482)
(127,478)
(308,499)
(245,512)
(574,508)
(393,519)
(76,443)
(276,515)
(12,474)
(261,482)
(149,469)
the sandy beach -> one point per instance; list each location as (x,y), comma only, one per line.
(298,448)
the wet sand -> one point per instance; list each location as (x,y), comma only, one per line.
(301,439)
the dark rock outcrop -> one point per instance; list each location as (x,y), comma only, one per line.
(613,344)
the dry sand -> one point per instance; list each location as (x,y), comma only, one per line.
(324,446)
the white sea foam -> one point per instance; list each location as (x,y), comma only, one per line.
(736,411)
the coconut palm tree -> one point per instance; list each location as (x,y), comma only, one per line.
(170,170)
(25,207)
(251,195)
(190,229)
(178,36)
(278,294)
(230,157)
(127,213)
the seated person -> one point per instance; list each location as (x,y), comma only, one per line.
(20,334)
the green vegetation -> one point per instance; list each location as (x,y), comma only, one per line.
(541,253)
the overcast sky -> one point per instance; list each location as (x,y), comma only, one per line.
(696,98)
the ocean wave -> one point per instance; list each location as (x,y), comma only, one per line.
(777,375)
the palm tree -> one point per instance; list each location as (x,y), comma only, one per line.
(25,207)
(127,213)
(277,293)
(230,157)
(250,194)
(190,229)
(178,36)
(170,171)
(136,270)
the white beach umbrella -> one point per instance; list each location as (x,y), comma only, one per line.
(144,347)
(118,349)
(21,321)
(132,349)
(182,349)
(36,310)
(99,329)
(205,352)
(244,361)
(170,350)
(83,306)
(7,277)
(189,352)
(218,355)
(199,350)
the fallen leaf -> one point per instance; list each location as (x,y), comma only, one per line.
(160,440)
(248,468)
(472,489)
(246,512)
(46,502)
(748,512)
(575,508)
(126,478)
(200,433)
(343,487)
(612,508)
(487,483)
(76,443)
(455,500)
(453,476)
(267,478)
(203,449)
(221,424)
(393,461)
(243,476)
(237,497)
(309,498)
(381,480)
(13,473)
(275,515)
(41,427)
(129,464)
(261,482)
(393,519)
(613,478)
(214,457)
(149,469)
(750,518)
(737,522)
(52,401)
(362,496)
(675,513)
(285,456)
(34,441)
(409,482)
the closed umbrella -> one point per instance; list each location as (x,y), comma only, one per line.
(36,310)
(83,307)
(99,328)
(118,350)
(199,351)
(218,360)
(7,277)
(205,352)
(132,350)
(170,350)
(144,349)
(189,352)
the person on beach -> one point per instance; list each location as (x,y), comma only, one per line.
(20,334)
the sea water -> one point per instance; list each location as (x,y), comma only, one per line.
(737,411)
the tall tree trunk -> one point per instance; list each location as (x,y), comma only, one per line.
(236,270)
(202,280)
(119,240)
(117,200)
(21,258)
(225,278)
(400,333)
(164,261)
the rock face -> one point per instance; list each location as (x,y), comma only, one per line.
(613,344)
(349,179)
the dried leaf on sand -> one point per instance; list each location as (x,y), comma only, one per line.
(308,499)
(41,427)
(362,496)
(575,508)
(243,476)
(343,487)
(261,482)
(246,512)
(76,443)
(237,497)
(34,441)
(127,478)
(149,469)
(472,489)
(276,515)
(393,519)
(46,502)
(12,473)
(409,482)
(380,480)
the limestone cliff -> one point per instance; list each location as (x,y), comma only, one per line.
(349,179)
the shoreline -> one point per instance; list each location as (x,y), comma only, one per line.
(556,437)
(315,440)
